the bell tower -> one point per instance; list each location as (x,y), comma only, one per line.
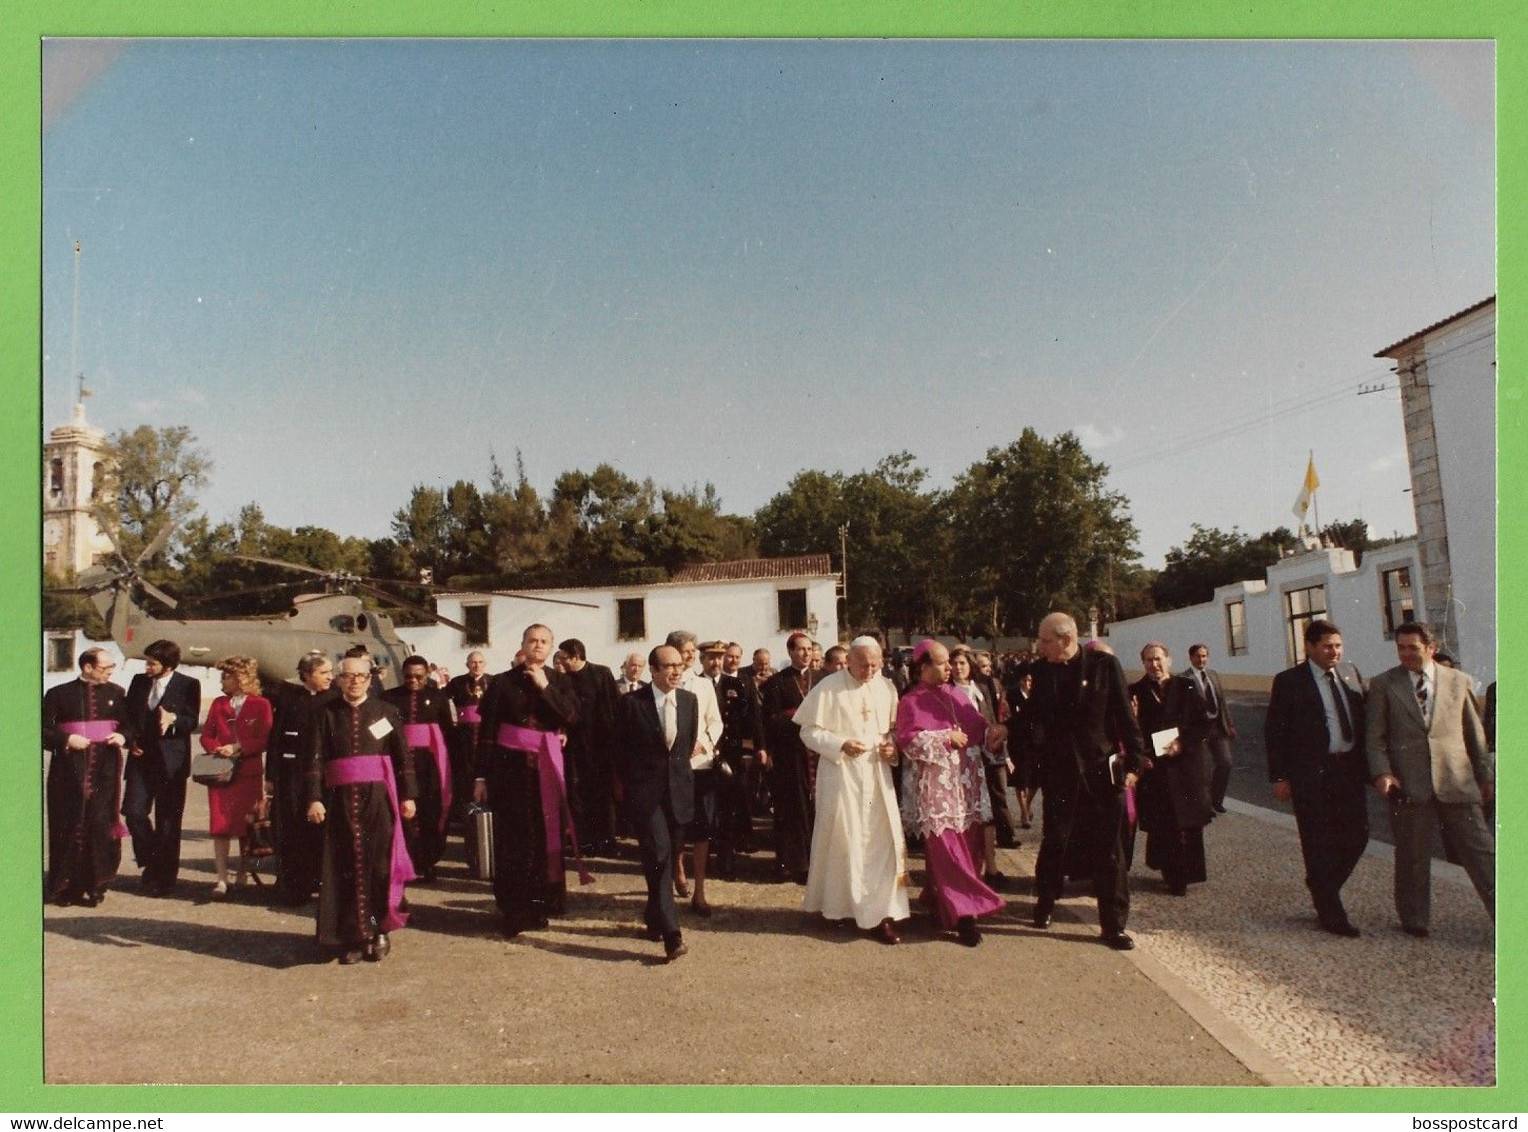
(73,476)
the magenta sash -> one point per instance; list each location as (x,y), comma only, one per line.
(379,768)
(469,713)
(427,736)
(96,732)
(556,817)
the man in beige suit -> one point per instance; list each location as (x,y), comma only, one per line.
(1427,754)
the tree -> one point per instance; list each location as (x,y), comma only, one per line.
(692,528)
(443,531)
(1035,529)
(1352,535)
(151,479)
(607,516)
(893,535)
(1211,558)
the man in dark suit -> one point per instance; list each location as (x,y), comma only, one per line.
(163,705)
(1087,741)
(1314,735)
(1221,730)
(658,731)
(1427,753)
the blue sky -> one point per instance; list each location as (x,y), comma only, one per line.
(354,266)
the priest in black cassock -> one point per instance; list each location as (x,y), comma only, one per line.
(288,758)
(787,765)
(85,726)
(466,693)
(518,753)
(361,788)
(590,748)
(425,709)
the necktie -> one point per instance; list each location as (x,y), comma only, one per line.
(670,728)
(1209,695)
(154,696)
(1342,706)
(1422,693)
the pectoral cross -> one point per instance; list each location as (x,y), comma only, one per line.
(865,710)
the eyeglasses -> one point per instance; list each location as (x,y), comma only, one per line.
(676,664)
(355,676)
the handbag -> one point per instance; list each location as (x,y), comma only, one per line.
(213,770)
(259,839)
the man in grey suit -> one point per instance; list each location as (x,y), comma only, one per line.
(1428,754)
(1217,740)
(658,727)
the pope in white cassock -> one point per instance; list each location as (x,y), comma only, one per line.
(859,858)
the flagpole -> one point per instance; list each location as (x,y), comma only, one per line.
(1314,506)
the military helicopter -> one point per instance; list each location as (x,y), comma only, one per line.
(329,622)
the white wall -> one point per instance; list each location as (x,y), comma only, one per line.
(1354,601)
(1461,368)
(746,612)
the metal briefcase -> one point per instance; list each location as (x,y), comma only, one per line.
(480,842)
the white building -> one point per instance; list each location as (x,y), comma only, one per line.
(1256,628)
(1447,375)
(757,602)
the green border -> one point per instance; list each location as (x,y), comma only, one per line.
(20,202)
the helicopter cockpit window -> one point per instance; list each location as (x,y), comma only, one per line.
(360,622)
(342,623)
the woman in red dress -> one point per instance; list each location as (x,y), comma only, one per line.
(238,726)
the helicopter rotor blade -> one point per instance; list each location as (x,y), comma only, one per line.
(158,594)
(394,599)
(252,590)
(156,545)
(288,565)
(536,597)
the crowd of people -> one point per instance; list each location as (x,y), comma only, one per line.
(847,756)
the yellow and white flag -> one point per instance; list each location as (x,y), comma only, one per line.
(1307,490)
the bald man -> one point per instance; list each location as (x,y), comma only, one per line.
(1089,742)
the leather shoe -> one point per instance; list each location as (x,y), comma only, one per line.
(347,958)
(1119,941)
(377,949)
(1420,933)
(681,890)
(1177,890)
(967,931)
(653,934)
(887,932)
(1042,914)
(1220,809)
(1340,927)
(673,948)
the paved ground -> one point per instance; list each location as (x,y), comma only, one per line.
(1230,986)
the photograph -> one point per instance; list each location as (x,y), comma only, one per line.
(590,559)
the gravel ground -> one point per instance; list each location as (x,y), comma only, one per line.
(1231,986)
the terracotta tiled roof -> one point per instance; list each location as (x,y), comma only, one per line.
(756,569)
(1389,351)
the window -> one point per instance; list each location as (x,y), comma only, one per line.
(1303,607)
(475,617)
(97,479)
(1400,607)
(61,653)
(792,609)
(631,618)
(1236,628)
(56,476)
